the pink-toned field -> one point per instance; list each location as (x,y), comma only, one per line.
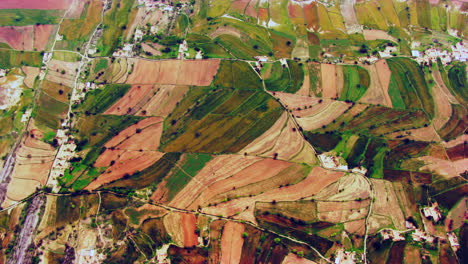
(285,140)
(134,149)
(294,259)
(26,37)
(34,4)
(164,101)
(189,226)
(218,168)
(127,104)
(377,93)
(176,72)
(243,207)
(332,80)
(231,242)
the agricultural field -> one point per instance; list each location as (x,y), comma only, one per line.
(233,131)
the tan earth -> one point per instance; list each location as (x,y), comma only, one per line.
(329,73)
(322,115)
(134,97)
(444,167)
(294,259)
(377,92)
(164,101)
(231,242)
(189,226)
(386,205)
(443,101)
(373,34)
(217,169)
(31,74)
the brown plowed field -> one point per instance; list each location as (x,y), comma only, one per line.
(189,225)
(377,92)
(164,101)
(256,172)
(129,162)
(131,131)
(317,179)
(294,101)
(218,168)
(294,259)
(176,72)
(322,115)
(331,84)
(34,4)
(444,167)
(41,36)
(442,101)
(31,74)
(132,98)
(231,242)
(19,38)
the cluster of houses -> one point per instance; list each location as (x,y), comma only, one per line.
(458,53)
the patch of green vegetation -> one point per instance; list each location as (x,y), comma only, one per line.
(209,48)
(97,101)
(356,82)
(24,17)
(196,125)
(150,176)
(409,79)
(239,48)
(322,142)
(15,58)
(115,22)
(100,65)
(238,75)
(66,56)
(285,79)
(49,111)
(457,78)
(395,96)
(183,173)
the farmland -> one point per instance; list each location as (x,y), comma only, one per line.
(233,131)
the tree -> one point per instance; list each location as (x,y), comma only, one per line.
(245,235)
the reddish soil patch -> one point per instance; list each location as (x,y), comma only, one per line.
(131,131)
(217,169)
(311,16)
(329,80)
(263,15)
(317,179)
(19,38)
(126,163)
(294,10)
(188,255)
(186,72)
(458,152)
(231,242)
(256,172)
(239,5)
(294,259)
(421,177)
(296,102)
(41,36)
(251,8)
(31,74)
(34,4)
(164,101)
(128,103)
(189,225)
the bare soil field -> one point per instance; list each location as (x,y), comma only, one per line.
(305,88)
(295,10)
(176,72)
(225,31)
(457,215)
(419,134)
(355,227)
(295,101)
(125,163)
(348,188)
(231,242)
(294,259)
(131,131)
(443,101)
(31,74)
(127,104)
(19,38)
(339,212)
(164,101)
(283,139)
(349,16)
(330,83)
(373,34)
(189,225)
(455,142)
(256,172)
(150,49)
(377,92)
(322,115)
(172,223)
(218,168)
(386,204)
(42,35)
(317,179)
(62,72)
(444,167)
(33,4)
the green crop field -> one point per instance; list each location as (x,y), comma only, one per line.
(97,101)
(13,58)
(458,83)
(24,17)
(356,82)
(115,22)
(412,85)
